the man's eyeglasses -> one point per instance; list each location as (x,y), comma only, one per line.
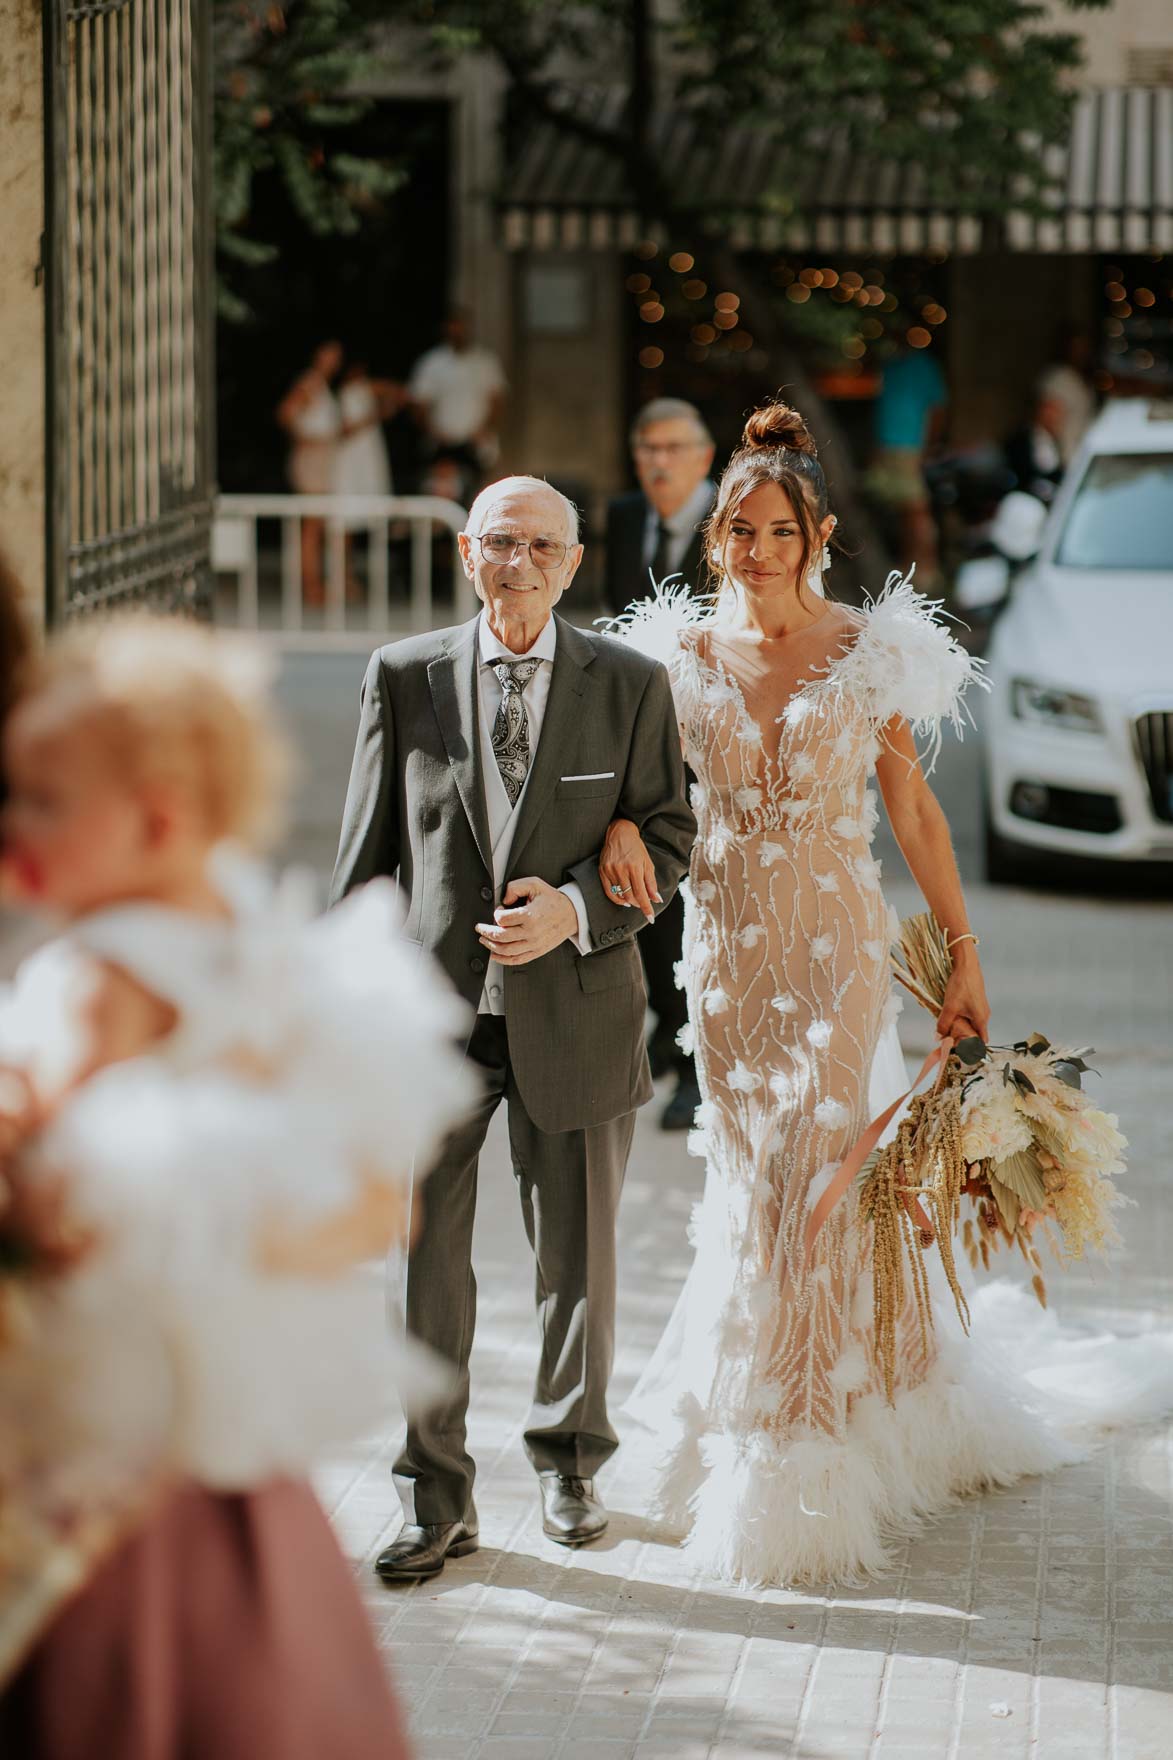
(504,547)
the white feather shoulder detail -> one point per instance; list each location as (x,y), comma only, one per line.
(653,625)
(906,662)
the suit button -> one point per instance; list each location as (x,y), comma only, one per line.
(487,894)
(476,965)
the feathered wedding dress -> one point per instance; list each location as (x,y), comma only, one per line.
(786,1463)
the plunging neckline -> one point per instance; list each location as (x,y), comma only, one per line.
(811,679)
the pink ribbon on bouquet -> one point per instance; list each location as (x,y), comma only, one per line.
(848,1169)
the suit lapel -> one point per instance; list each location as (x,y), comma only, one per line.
(452,678)
(563,716)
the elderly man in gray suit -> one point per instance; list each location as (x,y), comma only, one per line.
(490,761)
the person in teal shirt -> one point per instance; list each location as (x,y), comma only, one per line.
(909,420)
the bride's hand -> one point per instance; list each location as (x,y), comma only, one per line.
(626,869)
(966,1009)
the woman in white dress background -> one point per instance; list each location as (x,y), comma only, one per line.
(362,465)
(786,1463)
(337,446)
(310,414)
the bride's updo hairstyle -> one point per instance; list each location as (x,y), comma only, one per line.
(776,447)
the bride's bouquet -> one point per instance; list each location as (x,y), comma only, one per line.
(1007,1130)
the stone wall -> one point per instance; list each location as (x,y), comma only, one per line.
(22,336)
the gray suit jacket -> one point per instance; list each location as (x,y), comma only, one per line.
(415,809)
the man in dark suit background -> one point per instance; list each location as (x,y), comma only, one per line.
(656,529)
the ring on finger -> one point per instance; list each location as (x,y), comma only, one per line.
(620,891)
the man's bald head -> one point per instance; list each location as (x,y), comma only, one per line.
(536,493)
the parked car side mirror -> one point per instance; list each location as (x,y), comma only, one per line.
(981,583)
(1016,530)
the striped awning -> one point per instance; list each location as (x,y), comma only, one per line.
(1111,189)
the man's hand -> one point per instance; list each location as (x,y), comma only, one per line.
(534,918)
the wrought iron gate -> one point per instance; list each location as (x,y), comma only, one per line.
(129,308)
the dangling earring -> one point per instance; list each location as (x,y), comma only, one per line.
(816,571)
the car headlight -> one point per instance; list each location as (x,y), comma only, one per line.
(1049,707)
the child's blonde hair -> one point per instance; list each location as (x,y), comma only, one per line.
(181,704)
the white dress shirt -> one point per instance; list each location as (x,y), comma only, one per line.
(458,387)
(502,814)
(682,525)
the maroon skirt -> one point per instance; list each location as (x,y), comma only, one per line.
(226,1628)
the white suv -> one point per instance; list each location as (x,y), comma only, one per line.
(1079,722)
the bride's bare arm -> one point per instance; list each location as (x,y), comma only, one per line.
(922,832)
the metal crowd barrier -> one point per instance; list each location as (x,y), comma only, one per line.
(235,552)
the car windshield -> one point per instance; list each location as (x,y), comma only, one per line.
(1122,514)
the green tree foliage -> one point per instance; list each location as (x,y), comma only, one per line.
(958,85)
(285,74)
(968,89)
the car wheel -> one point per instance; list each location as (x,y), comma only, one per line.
(1006,863)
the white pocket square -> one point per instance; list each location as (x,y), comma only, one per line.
(595,776)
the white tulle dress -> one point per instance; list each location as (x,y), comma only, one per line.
(785,1463)
(309,1055)
(169,1584)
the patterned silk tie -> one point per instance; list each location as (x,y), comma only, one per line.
(511,727)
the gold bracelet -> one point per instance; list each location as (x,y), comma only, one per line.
(968,936)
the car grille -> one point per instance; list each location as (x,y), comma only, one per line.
(1071,809)
(1154,745)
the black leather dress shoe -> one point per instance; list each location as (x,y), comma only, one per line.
(422,1551)
(681,1109)
(571,1513)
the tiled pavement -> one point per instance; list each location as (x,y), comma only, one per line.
(1032,1622)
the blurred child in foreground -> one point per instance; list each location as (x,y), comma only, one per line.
(211,1108)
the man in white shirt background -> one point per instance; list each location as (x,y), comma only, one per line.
(655,531)
(457,391)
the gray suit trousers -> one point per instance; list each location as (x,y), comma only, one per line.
(570,1183)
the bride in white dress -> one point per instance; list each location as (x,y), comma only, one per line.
(786,1463)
